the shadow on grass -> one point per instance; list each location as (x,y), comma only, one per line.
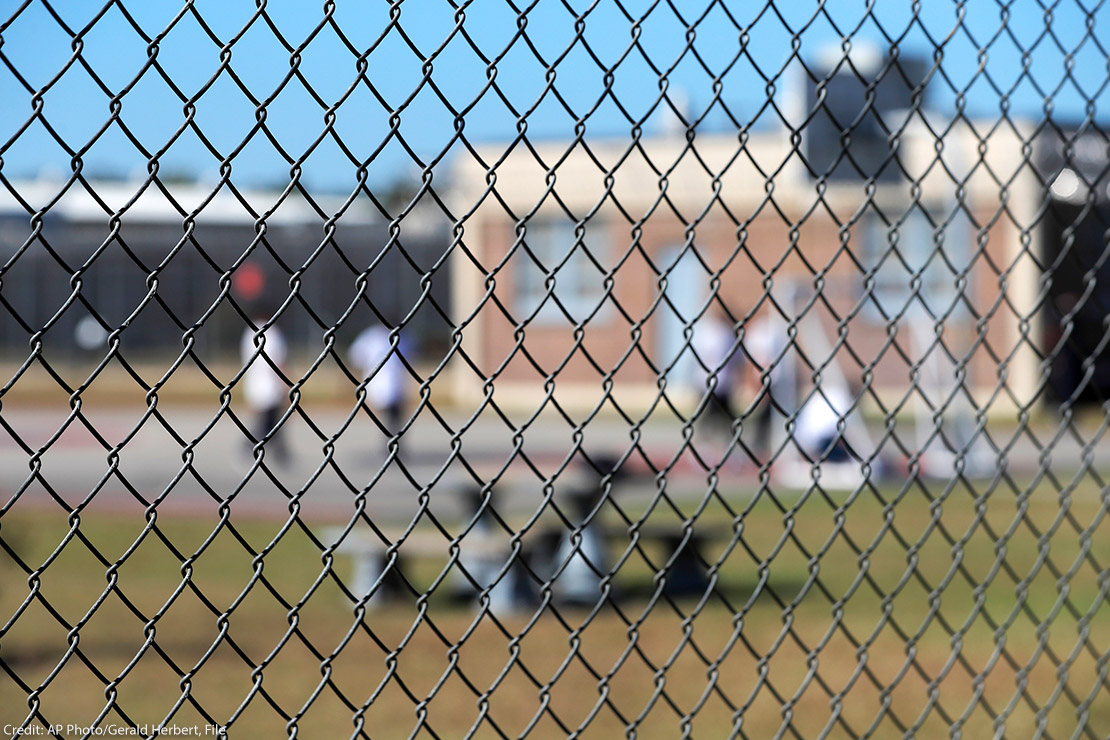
(735,596)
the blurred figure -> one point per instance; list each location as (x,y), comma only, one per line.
(481,566)
(264,389)
(373,356)
(770,375)
(582,554)
(824,425)
(583,551)
(483,553)
(818,432)
(717,360)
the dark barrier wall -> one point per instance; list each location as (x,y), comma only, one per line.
(40,288)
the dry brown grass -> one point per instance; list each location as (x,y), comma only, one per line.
(873,645)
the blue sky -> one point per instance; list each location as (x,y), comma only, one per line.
(981,60)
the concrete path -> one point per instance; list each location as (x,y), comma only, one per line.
(339,461)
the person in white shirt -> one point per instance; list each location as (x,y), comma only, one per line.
(719,359)
(818,427)
(264,388)
(372,354)
(765,341)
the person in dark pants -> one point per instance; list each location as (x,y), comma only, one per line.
(264,389)
(719,363)
(373,355)
(770,379)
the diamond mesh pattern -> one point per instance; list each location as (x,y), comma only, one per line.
(735,370)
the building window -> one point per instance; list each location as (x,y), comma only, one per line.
(915,263)
(559,270)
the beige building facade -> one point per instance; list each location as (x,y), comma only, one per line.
(582,268)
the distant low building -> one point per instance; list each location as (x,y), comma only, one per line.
(163,264)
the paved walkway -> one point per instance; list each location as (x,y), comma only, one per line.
(328,478)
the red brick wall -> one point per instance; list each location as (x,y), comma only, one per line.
(765,248)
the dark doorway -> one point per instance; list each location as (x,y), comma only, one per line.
(1077,310)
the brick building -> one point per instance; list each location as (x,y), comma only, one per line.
(582,264)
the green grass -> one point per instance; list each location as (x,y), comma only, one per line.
(884,611)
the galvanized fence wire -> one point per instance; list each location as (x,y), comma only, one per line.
(969,471)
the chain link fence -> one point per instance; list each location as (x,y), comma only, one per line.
(554,369)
